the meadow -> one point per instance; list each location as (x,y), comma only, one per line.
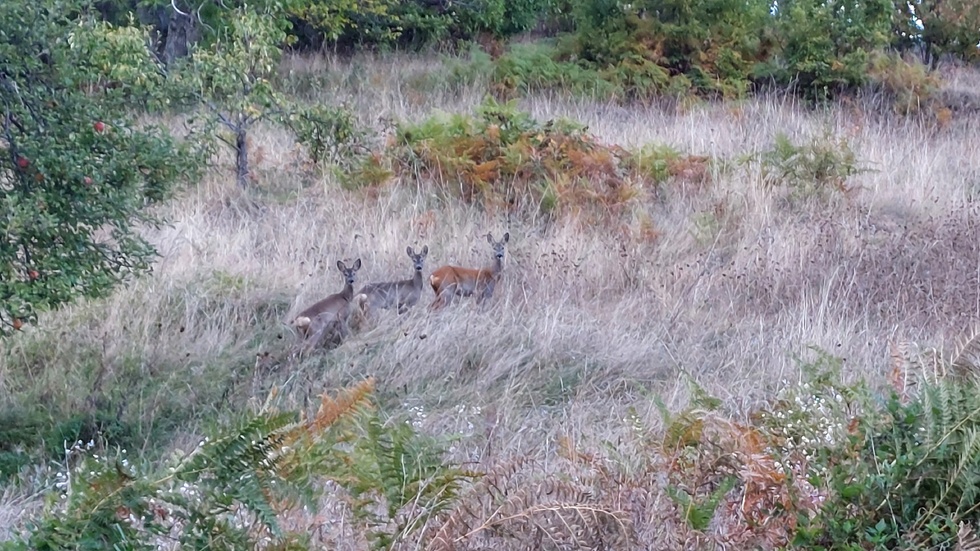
(723,281)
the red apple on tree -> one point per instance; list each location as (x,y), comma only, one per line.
(23,163)
(99,126)
(87,181)
(33,274)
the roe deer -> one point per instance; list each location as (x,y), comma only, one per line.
(329,331)
(333,313)
(449,282)
(402,294)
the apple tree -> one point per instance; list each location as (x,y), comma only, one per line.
(77,171)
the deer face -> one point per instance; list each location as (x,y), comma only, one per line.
(349,273)
(498,246)
(418,260)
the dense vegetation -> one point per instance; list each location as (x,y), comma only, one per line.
(637,49)
(90,151)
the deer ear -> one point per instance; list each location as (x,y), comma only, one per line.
(425,250)
(341,266)
(506,237)
(490,238)
(357,264)
(409,251)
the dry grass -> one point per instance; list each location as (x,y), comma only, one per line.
(587,324)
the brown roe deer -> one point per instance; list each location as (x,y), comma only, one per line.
(449,282)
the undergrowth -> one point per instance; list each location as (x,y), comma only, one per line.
(237,489)
(503,159)
(819,168)
(824,465)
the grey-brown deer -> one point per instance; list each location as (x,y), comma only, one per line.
(401,294)
(449,282)
(330,317)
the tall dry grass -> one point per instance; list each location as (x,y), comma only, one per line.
(588,323)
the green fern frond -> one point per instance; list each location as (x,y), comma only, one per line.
(697,514)
(969,460)
(397,478)
(243,467)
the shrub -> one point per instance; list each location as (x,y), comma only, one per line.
(652,48)
(232,79)
(395,477)
(535,67)
(910,85)
(896,471)
(504,159)
(471,69)
(659,163)
(938,28)
(818,168)
(34,437)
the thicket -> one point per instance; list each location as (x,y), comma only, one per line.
(238,488)
(347,25)
(635,50)
(712,48)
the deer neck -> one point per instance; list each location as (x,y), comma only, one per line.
(496,267)
(417,280)
(348,292)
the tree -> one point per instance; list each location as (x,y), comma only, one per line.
(939,27)
(233,77)
(825,46)
(76,171)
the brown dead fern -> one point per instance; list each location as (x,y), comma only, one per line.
(965,361)
(966,538)
(520,505)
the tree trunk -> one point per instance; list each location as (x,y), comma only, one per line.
(181,34)
(241,158)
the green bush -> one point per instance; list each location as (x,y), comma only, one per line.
(838,466)
(656,161)
(652,47)
(535,67)
(502,158)
(818,168)
(938,28)
(232,79)
(32,437)
(411,24)
(909,85)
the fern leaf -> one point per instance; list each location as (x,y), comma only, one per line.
(332,409)
(966,358)
(698,515)
(966,538)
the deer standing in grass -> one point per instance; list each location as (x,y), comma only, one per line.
(449,282)
(331,316)
(402,294)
